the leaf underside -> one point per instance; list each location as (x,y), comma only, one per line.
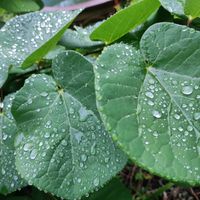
(65,149)
(149,100)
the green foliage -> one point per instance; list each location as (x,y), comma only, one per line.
(27,38)
(21,6)
(191,8)
(113,190)
(63,139)
(156,91)
(124,21)
(9,178)
(71,114)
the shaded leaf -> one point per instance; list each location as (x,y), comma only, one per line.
(79,39)
(112,190)
(65,149)
(9,178)
(124,21)
(27,38)
(149,101)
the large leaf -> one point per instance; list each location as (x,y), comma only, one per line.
(125,20)
(27,38)
(114,190)
(191,8)
(9,178)
(20,6)
(152,108)
(65,149)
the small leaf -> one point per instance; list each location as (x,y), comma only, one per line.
(149,100)
(124,21)
(27,38)
(66,150)
(114,190)
(9,178)
(79,39)
(191,8)
(20,6)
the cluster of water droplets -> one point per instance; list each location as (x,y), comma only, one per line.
(169,114)
(66,141)
(9,178)
(23,35)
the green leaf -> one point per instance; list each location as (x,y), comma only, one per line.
(20,6)
(79,39)
(114,190)
(65,149)
(124,21)
(149,100)
(27,38)
(191,8)
(9,178)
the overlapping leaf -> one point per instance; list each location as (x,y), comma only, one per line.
(191,8)
(27,38)
(65,149)
(124,21)
(114,190)
(149,101)
(9,179)
(79,39)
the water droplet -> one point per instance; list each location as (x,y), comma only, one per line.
(149,94)
(156,114)
(33,154)
(96,182)
(176,116)
(187,90)
(28,147)
(44,94)
(83,157)
(83,114)
(197,116)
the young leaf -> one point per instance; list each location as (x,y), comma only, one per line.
(114,190)
(65,149)
(27,38)
(125,20)
(152,109)
(79,39)
(191,8)
(9,178)
(20,6)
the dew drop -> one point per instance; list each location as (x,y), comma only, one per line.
(33,154)
(197,116)
(96,182)
(156,114)
(187,90)
(149,94)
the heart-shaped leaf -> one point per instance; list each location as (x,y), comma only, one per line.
(150,103)
(191,8)
(65,149)
(9,178)
(124,21)
(27,38)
